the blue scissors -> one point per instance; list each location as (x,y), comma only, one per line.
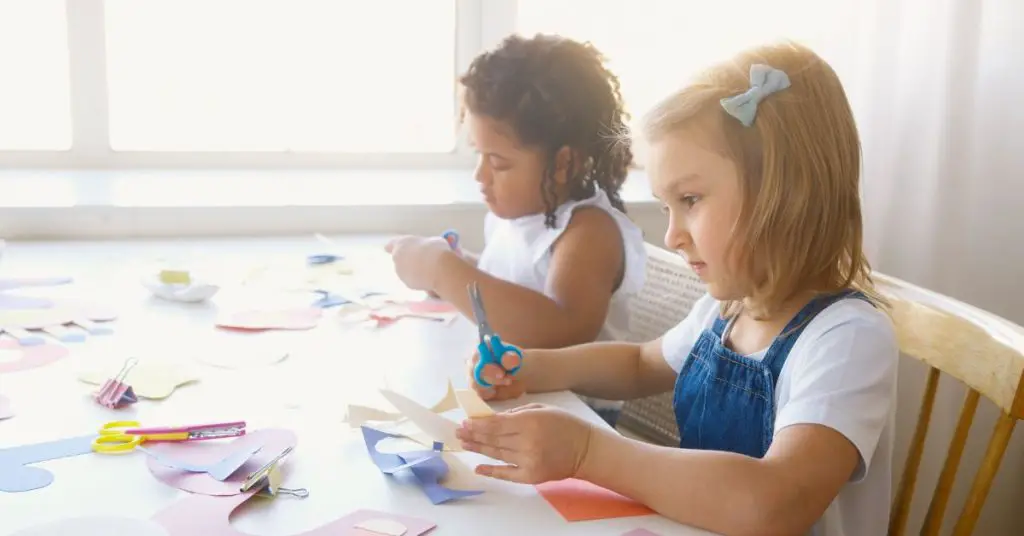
(491,348)
(452,237)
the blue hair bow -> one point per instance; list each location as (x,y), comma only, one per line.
(764,80)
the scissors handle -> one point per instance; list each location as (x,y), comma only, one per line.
(491,352)
(113,440)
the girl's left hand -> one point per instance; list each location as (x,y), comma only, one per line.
(541,443)
(416,259)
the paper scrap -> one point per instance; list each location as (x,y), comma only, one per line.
(386,527)
(219,470)
(95,525)
(149,378)
(435,426)
(472,404)
(16,473)
(180,277)
(300,318)
(190,291)
(427,466)
(28,357)
(357,415)
(273,440)
(579,500)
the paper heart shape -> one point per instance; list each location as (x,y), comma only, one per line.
(29,357)
(148,378)
(273,440)
(95,526)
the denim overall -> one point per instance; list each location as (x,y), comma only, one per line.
(726,401)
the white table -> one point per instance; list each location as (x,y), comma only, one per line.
(327,368)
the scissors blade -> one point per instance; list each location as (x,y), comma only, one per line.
(478,311)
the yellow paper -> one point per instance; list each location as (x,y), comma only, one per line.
(472,404)
(148,379)
(359,415)
(171,277)
(36,318)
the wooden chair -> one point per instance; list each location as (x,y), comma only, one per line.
(670,290)
(977,348)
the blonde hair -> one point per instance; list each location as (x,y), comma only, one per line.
(800,225)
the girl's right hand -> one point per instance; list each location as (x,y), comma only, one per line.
(503,386)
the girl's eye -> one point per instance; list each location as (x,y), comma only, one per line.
(690,200)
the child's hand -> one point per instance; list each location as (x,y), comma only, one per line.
(541,443)
(503,386)
(416,259)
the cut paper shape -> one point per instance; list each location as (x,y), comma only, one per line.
(149,378)
(210,516)
(12,301)
(640,532)
(219,470)
(28,357)
(18,323)
(436,427)
(5,408)
(242,358)
(293,319)
(379,525)
(579,500)
(273,441)
(95,526)
(428,466)
(472,405)
(16,473)
(357,415)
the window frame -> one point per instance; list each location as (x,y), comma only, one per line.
(480,25)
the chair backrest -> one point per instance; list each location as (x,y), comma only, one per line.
(670,290)
(979,349)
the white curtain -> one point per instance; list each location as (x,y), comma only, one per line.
(938,91)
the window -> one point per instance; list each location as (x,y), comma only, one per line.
(654,46)
(35,102)
(281,75)
(317,83)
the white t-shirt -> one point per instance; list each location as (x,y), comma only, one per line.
(519,251)
(840,373)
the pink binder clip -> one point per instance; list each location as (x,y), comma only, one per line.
(115,392)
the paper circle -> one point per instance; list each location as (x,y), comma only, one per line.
(95,526)
(274,441)
(31,356)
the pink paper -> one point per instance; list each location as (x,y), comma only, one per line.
(210,516)
(31,356)
(5,408)
(274,442)
(431,306)
(88,526)
(298,318)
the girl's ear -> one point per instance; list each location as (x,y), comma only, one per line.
(567,162)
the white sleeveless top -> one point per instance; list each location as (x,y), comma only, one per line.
(519,251)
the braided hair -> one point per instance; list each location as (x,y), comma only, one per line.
(555,92)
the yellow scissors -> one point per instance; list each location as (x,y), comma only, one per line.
(123,436)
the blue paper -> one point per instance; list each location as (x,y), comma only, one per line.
(17,476)
(219,470)
(427,466)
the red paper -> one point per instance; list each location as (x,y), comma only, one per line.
(579,500)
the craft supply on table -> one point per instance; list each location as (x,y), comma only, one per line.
(14,357)
(115,392)
(579,500)
(149,378)
(28,325)
(427,466)
(12,301)
(267,479)
(16,471)
(492,350)
(179,286)
(124,436)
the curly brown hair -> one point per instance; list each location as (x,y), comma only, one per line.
(555,92)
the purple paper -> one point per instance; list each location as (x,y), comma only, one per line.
(219,470)
(427,466)
(15,473)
